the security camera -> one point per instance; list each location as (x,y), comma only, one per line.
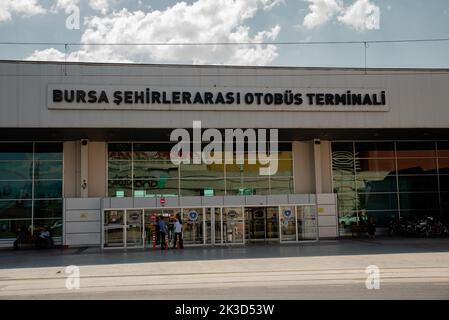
(84,142)
(316,141)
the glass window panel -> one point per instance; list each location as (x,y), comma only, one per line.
(192,220)
(9,229)
(285,168)
(377,201)
(418,201)
(197,187)
(246,169)
(285,155)
(381,166)
(414,149)
(288,223)
(119,169)
(417,166)
(382,218)
(307,222)
(15,209)
(16,170)
(202,171)
(48,170)
(414,215)
(119,151)
(343,148)
(48,209)
(374,149)
(443,149)
(247,186)
(285,147)
(48,151)
(344,184)
(16,151)
(152,155)
(54,225)
(443,165)
(346,202)
(155,170)
(366,183)
(342,166)
(15,189)
(47,189)
(281,185)
(119,188)
(445,204)
(232,213)
(444,182)
(348,218)
(418,183)
(157,186)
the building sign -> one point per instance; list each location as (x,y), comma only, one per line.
(159,98)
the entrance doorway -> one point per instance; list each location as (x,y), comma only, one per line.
(262,224)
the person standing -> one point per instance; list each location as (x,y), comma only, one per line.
(163,231)
(178,232)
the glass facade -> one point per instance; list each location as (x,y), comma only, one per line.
(145,170)
(388,179)
(31,176)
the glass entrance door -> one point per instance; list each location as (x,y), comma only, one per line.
(262,223)
(134,219)
(113,229)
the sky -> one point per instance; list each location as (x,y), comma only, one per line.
(228,21)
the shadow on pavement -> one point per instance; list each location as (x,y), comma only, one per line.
(95,256)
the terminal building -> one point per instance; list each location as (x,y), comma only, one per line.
(85,150)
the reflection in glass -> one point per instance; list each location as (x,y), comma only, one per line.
(48,151)
(48,189)
(15,189)
(15,209)
(374,149)
(48,170)
(113,228)
(9,228)
(134,228)
(16,170)
(418,201)
(288,223)
(306,222)
(377,201)
(417,166)
(233,228)
(48,208)
(414,149)
(16,151)
(119,188)
(119,169)
(119,151)
(418,183)
(192,219)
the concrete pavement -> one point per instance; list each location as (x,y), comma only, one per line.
(409,269)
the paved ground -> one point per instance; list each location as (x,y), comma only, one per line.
(409,269)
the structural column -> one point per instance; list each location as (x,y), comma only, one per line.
(84,172)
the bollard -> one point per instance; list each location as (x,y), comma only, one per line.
(166,242)
(154,240)
(177,241)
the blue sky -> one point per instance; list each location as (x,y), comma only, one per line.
(121,21)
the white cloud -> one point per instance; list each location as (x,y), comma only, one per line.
(361,15)
(100,5)
(24,8)
(201,21)
(50,54)
(321,11)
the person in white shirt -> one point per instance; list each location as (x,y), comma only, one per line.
(178,232)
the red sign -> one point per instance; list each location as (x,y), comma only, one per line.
(162,201)
(153,217)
